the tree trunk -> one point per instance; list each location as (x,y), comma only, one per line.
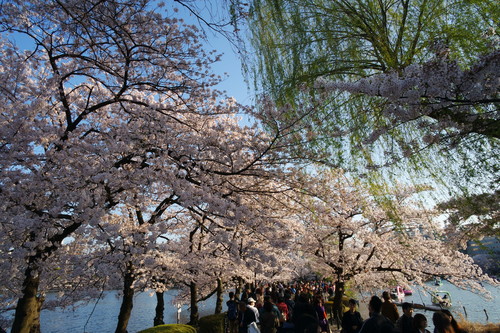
(194,315)
(337,302)
(160,307)
(127,302)
(220,296)
(27,316)
(239,287)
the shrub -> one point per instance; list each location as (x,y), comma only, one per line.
(212,324)
(170,328)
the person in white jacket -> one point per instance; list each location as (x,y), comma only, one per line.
(251,305)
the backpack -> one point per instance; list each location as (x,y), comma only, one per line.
(232,310)
(283,310)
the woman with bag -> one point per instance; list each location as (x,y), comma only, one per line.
(269,321)
(323,319)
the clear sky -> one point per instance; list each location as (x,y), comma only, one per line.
(233,82)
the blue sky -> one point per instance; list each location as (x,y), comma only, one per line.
(230,63)
(234,83)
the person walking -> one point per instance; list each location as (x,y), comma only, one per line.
(246,316)
(251,305)
(351,320)
(377,323)
(405,322)
(232,313)
(322,318)
(269,321)
(389,309)
(305,317)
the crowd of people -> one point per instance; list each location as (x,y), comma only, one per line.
(300,308)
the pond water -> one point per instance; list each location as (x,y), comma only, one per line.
(101,317)
(465,304)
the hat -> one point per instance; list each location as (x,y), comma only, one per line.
(250,300)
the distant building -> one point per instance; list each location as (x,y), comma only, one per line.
(486,254)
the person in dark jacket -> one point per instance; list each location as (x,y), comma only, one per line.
(405,322)
(290,304)
(351,320)
(232,313)
(305,316)
(269,321)
(377,323)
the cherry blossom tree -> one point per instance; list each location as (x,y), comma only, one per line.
(376,242)
(216,248)
(129,251)
(103,104)
(449,102)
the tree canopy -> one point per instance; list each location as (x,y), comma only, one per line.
(296,43)
(109,127)
(122,167)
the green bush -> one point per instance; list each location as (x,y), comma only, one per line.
(212,324)
(170,328)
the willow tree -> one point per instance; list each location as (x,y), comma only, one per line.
(295,43)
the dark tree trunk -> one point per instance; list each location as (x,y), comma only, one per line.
(337,302)
(27,316)
(160,307)
(239,288)
(194,315)
(220,296)
(127,302)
